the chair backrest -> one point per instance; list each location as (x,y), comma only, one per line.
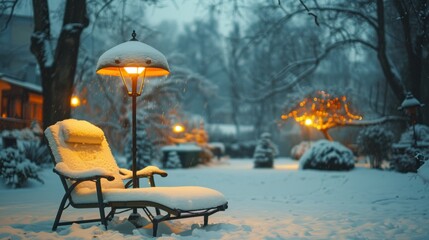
(82,146)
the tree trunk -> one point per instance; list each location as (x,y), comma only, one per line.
(57,66)
(326,134)
(414,49)
(391,78)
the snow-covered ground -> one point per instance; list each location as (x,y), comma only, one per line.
(280,203)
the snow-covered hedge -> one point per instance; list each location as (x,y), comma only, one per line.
(15,169)
(326,155)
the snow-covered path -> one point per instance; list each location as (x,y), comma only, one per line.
(280,203)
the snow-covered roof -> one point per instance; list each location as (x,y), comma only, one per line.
(20,83)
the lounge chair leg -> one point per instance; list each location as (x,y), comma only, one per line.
(59,213)
(154,228)
(100,203)
(206,220)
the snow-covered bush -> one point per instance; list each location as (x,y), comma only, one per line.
(21,134)
(298,150)
(422,134)
(410,160)
(15,169)
(326,155)
(265,152)
(376,142)
(37,153)
(173,160)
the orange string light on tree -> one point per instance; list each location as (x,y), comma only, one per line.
(322,111)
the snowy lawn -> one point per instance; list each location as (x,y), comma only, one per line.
(280,203)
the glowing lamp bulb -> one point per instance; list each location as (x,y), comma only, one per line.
(74,101)
(134,70)
(308,122)
(178,128)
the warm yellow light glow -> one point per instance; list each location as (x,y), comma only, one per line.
(178,128)
(74,101)
(308,122)
(322,111)
(134,70)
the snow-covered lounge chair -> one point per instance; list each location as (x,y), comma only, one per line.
(92,179)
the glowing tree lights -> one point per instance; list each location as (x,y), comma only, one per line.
(322,111)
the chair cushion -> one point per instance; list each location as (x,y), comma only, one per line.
(182,198)
(79,131)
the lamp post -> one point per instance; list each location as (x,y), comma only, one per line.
(410,105)
(133,61)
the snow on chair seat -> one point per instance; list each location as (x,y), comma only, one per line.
(92,179)
(180,198)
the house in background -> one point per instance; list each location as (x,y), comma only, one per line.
(20,103)
(21,98)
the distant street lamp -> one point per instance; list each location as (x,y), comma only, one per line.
(75,101)
(133,61)
(178,128)
(410,106)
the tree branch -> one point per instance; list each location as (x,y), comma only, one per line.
(3,7)
(374,121)
(308,71)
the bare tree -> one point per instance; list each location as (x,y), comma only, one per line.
(57,63)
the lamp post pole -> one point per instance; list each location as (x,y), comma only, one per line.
(134,133)
(134,130)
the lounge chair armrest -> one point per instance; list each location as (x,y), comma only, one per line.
(94,173)
(148,171)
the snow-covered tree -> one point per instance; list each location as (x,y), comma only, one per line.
(265,152)
(173,160)
(376,142)
(327,155)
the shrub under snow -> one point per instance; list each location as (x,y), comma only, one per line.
(411,158)
(15,169)
(326,155)
(422,134)
(298,150)
(375,142)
